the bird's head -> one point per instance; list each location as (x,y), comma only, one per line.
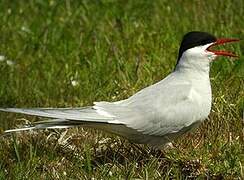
(197,48)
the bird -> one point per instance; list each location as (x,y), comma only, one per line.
(157,114)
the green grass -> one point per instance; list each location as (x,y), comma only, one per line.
(70,53)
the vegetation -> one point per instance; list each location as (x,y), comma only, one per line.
(71,53)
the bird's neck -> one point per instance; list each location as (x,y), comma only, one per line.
(196,72)
(193,66)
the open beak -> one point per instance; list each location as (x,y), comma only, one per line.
(220,52)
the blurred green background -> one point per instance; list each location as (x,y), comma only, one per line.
(71,53)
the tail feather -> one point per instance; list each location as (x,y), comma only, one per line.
(19,129)
(60,117)
(48,124)
(78,114)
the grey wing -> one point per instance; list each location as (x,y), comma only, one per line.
(156,111)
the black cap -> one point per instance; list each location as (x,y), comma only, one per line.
(193,39)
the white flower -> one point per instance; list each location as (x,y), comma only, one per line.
(9,11)
(2,58)
(74,83)
(25,29)
(10,63)
(136,24)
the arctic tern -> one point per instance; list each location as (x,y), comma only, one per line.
(156,114)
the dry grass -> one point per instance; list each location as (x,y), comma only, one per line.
(70,53)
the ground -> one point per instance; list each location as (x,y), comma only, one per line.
(70,53)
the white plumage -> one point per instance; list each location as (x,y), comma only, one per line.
(155,115)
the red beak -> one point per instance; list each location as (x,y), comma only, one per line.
(222,53)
